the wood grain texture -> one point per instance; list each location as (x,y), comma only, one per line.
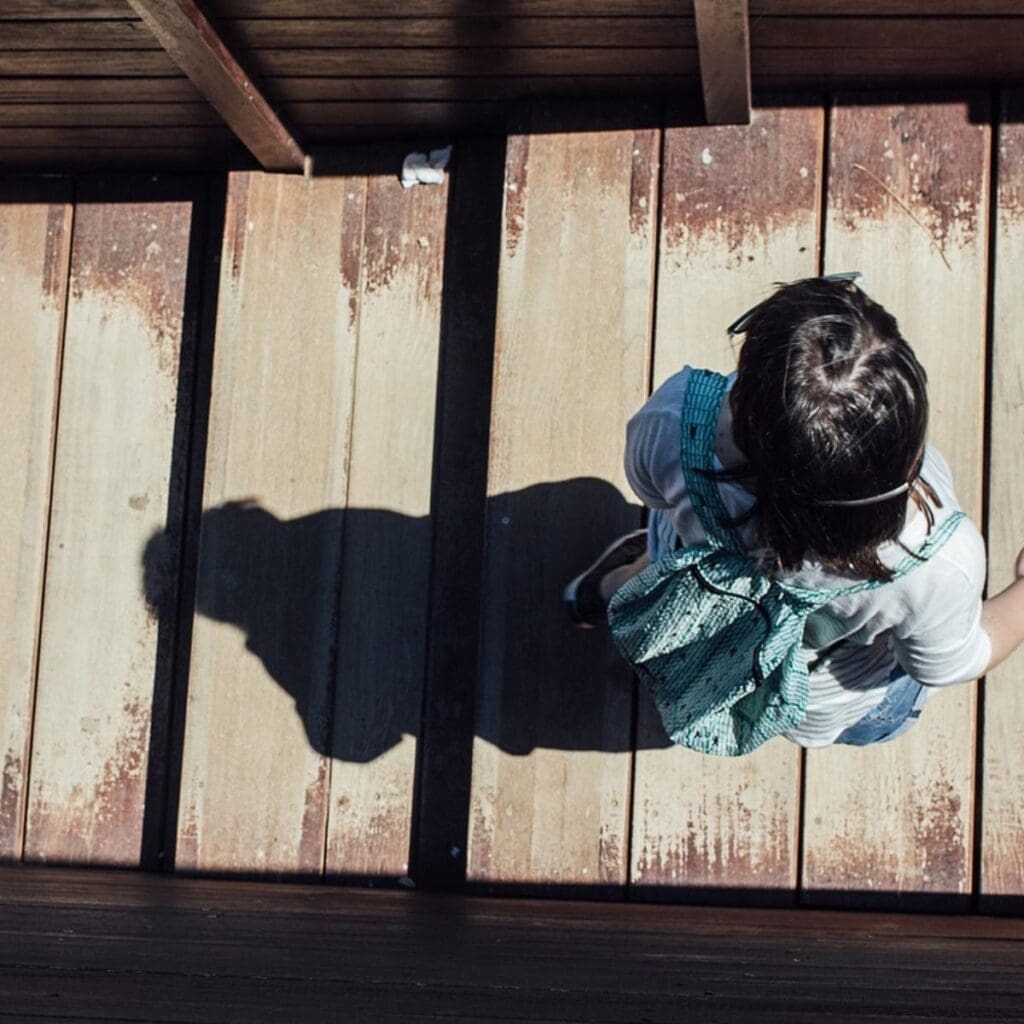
(724,54)
(387,535)
(896,819)
(117,481)
(197,138)
(120,91)
(1002,835)
(255,762)
(739,211)
(152,948)
(158,159)
(328,33)
(550,788)
(184,31)
(35,240)
(97,115)
(551,8)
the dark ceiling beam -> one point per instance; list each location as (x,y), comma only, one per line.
(723,47)
(193,44)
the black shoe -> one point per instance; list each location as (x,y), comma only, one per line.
(583,595)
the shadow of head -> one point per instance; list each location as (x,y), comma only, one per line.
(335,605)
(276,580)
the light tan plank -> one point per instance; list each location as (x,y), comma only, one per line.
(255,765)
(740,210)
(35,239)
(1002,836)
(115,485)
(897,818)
(387,536)
(550,786)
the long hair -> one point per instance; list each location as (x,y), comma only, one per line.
(829,402)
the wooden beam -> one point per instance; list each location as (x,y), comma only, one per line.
(193,44)
(723,45)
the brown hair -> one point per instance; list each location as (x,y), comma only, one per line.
(829,402)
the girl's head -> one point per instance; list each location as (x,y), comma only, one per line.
(829,403)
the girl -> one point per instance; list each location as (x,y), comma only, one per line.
(822,467)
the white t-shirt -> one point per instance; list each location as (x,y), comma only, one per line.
(929,620)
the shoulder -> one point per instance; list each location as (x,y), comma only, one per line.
(963,554)
(663,410)
(669,394)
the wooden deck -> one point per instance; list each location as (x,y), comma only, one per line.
(295,471)
(124,947)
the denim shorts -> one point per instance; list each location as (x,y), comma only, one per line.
(900,709)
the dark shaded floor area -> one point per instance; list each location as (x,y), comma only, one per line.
(80,945)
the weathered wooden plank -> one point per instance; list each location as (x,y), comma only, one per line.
(118,479)
(809,67)
(46,10)
(124,33)
(739,211)
(87,63)
(385,61)
(895,820)
(115,9)
(35,240)
(882,8)
(489,62)
(980,56)
(321,33)
(924,35)
(184,31)
(35,159)
(122,91)
(724,44)
(208,137)
(581,8)
(1002,832)
(255,762)
(126,91)
(550,787)
(387,535)
(130,946)
(300,96)
(100,115)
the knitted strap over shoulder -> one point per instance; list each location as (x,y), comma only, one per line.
(701,403)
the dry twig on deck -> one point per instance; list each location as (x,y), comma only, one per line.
(913,216)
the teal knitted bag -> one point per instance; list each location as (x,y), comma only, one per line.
(719,642)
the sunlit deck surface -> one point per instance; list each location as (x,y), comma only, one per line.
(299,469)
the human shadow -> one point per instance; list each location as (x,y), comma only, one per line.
(334,604)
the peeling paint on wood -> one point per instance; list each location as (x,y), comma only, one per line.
(910,152)
(386,556)
(550,779)
(255,775)
(739,211)
(98,674)
(516,166)
(1002,822)
(34,243)
(643,182)
(898,817)
(353,228)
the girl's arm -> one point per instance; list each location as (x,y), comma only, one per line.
(1002,618)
